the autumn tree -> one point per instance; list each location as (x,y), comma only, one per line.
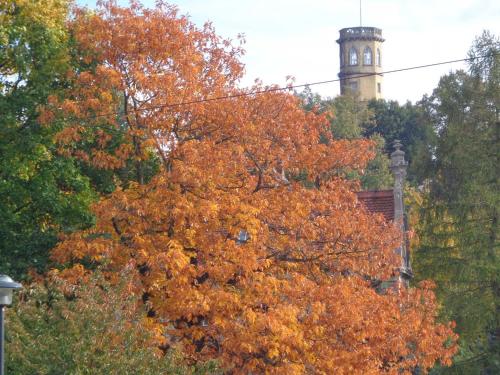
(235,260)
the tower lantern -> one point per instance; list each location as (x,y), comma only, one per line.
(361,62)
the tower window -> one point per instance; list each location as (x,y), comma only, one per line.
(379,58)
(341,57)
(353,56)
(353,86)
(379,87)
(367,56)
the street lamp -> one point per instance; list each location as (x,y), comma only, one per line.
(7,286)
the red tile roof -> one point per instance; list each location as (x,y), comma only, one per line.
(379,201)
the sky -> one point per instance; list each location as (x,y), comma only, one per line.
(298,37)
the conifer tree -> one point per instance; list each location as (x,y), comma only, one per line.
(459,246)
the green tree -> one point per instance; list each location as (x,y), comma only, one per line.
(348,120)
(348,116)
(42,192)
(89,325)
(377,175)
(410,124)
(458,237)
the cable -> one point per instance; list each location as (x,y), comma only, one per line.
(274,89)
(290,87)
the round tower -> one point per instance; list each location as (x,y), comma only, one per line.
(361,62)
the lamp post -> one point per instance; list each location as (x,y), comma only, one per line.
(7,286)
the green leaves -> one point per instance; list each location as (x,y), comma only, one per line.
(459,237)
(42,192)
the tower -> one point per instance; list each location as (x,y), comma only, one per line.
(361,62)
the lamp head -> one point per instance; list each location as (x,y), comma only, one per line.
(7,286)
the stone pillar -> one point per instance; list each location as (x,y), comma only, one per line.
(398,168)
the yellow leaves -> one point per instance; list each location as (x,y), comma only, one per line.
(190,235)
(49,13)
(273,353)
(212,208)
(250,316)
(106,97)
(451,242)
(176,259)
(319,331)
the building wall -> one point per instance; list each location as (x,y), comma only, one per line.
(359,38)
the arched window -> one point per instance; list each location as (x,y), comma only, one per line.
(353,56)
(367,56)
(379,58)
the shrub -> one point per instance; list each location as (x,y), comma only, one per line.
(91,326)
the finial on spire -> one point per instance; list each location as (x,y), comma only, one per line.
(398,162)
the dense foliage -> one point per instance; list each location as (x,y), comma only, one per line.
(228,230)
(452,142)
(351,119)
(459,226)
(236,260)
(86,326)
(42,192)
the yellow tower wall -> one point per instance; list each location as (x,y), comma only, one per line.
(351,75)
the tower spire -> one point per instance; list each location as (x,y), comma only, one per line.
(360,13)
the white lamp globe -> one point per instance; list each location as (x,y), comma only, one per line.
(7,286)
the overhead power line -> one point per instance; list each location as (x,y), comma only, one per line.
(303,85)
(291,87)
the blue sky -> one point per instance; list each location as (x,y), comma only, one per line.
(297,38)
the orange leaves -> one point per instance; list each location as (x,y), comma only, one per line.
(294,293)
(70,107)
(250,247)
(45,116)
(103,160)
(145,60)
(73,275)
